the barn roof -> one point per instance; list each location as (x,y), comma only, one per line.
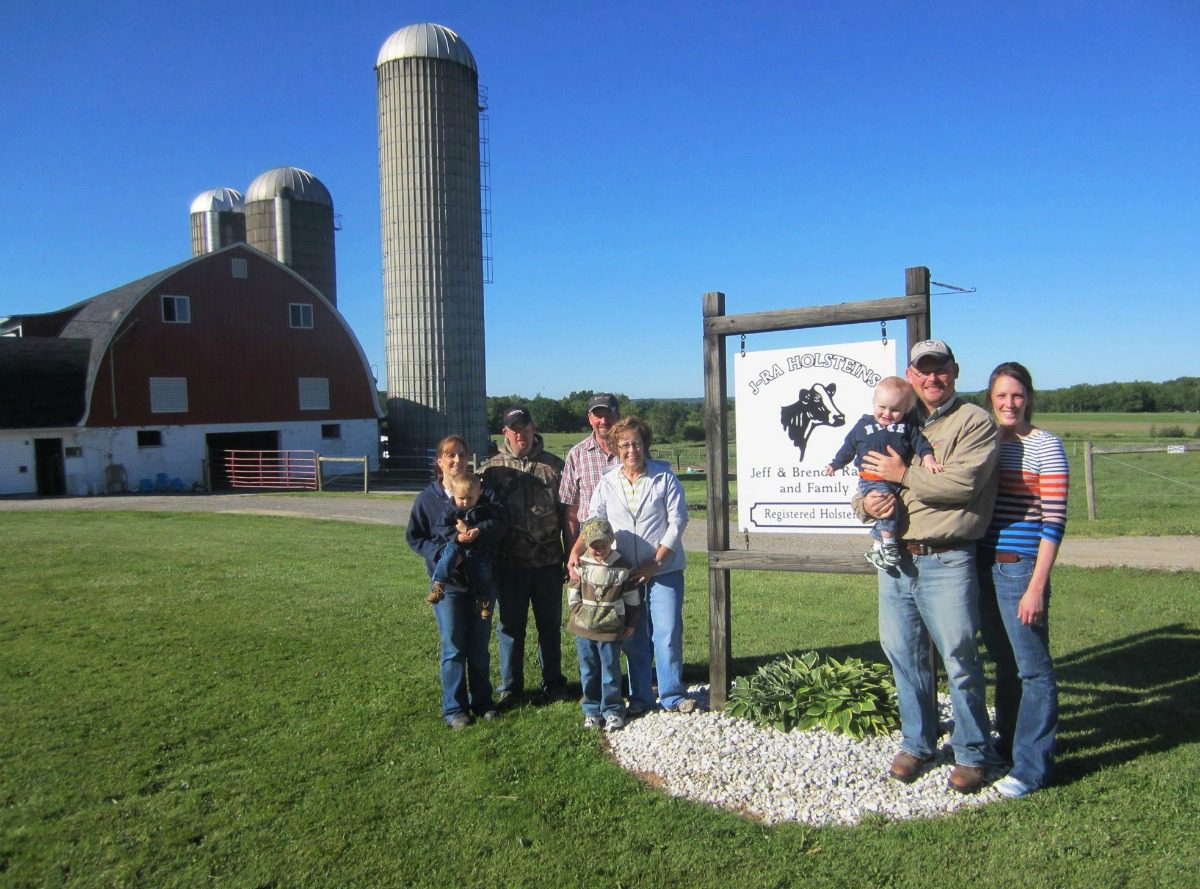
(50,374)
(42,381)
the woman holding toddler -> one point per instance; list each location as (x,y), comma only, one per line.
(453,525)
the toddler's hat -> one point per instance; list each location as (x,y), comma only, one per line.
(595,529)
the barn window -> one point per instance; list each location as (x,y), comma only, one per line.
(149,438)
(314,393)
(301,314)
(177,310)
(168,395)
(237,267)
(331,430)
(72,452)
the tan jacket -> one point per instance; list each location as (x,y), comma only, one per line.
(954,505)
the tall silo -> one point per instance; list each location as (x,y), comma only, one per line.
(289,215)
(218,220)
(428,102)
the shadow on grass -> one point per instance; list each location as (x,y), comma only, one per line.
(1127,698)
(1121,700)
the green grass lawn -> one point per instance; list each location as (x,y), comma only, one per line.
(1108,428)
(252,701)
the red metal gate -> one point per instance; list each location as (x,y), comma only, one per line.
(272,469)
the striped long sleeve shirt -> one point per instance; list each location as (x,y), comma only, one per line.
(1032,501)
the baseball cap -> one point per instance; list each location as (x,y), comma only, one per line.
(935,349)
(604,399)
(517,415)
(595,529)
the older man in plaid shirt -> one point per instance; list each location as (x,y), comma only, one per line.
(586,462)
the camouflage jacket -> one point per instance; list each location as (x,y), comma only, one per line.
(527,487)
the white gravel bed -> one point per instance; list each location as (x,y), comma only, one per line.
(816,777)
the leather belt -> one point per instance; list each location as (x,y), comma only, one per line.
(927,549)
(989,557)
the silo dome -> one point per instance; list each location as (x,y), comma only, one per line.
(219,200)
(426,41)
(289,215)
(218,220)
(288,182)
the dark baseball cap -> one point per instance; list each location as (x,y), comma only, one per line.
(517,415)
(604,399)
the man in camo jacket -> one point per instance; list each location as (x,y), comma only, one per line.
(526,479)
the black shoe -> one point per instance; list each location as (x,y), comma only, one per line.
(507,700)
(553,696)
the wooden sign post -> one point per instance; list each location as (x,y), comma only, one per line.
(913,308)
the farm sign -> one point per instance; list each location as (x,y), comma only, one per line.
(794,408)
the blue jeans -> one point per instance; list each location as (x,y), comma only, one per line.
(600,675)
(465,665)
(1026,693)
(543,589)
(865,487)
(658,636)
(937,593)
(477,564)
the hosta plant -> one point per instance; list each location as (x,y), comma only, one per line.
(798,691)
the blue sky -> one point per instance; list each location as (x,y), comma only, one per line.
(788,154)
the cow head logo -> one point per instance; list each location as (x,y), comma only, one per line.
(814,407)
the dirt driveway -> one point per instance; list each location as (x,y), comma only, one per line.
(1164,553)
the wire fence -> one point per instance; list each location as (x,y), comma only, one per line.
(1140,480)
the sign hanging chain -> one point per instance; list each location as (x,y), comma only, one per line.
(883,331)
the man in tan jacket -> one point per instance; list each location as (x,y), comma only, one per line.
(934,593)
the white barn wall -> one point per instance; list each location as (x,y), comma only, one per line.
(181,456)
(16,450)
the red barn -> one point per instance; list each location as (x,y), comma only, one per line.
(157,378)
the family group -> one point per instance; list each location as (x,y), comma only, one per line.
(967,506)
(609,514)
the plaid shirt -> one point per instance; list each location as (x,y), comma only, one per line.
(586,462)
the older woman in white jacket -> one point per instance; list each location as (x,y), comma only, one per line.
(643,501)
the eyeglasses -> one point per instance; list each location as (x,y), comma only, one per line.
(942,370)
(629,446)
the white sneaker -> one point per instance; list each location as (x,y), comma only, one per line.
(687,705)
(613,722)
(591,722)
(1013,788)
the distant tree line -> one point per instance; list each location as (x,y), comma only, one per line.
(1182,394)
(671,419)
(682,419)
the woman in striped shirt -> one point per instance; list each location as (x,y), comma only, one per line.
(1014,562)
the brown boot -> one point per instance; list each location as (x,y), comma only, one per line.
(966,779)
(907,768)
(437,592)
